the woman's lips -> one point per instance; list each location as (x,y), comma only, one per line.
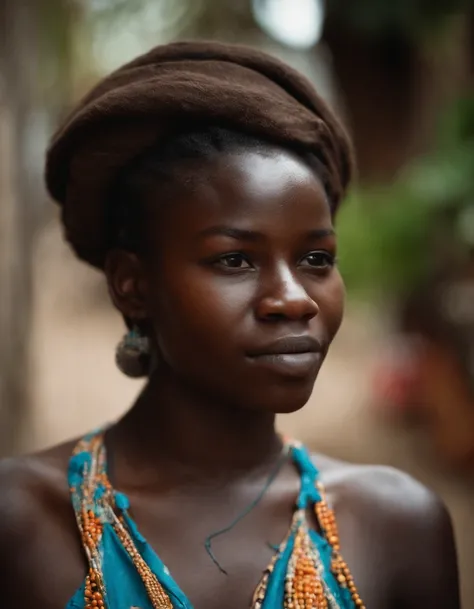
(289,364)
(296,356)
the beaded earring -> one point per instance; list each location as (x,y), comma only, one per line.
(133,354)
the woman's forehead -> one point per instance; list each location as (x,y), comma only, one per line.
(253,187)
(271,173)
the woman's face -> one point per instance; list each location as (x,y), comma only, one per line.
(243,294)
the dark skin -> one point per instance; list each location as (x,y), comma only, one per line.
(243,259)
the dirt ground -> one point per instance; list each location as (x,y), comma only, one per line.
(77,386)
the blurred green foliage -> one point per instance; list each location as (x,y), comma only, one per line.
(390,236)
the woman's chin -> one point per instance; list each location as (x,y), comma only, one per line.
(293,406)
(285,400)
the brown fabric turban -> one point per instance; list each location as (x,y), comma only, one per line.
(197,82)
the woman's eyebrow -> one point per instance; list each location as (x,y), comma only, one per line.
(240,234)
(321,233)
(243,234)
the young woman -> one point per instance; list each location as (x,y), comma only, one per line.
(203,180)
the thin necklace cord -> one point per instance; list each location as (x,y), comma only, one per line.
(273,474)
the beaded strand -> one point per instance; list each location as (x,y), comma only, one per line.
(156,593)
(91,529)
(327,521)
(303,585)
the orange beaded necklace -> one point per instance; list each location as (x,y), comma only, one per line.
(307,572)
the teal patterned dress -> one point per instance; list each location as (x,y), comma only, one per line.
(307,571)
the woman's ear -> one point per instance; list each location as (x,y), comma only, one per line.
(127,284)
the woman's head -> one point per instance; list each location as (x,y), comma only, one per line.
(222,249)
(204,178)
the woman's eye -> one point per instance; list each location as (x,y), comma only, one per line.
(318,260)
(234,261)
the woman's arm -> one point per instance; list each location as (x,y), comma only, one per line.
(429,577)
(402,535)
(41,562)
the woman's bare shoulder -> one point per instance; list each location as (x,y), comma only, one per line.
(34,474)
(31,487)
(401,522)
(388,487)
(380,491)
(37,527)
(385,499)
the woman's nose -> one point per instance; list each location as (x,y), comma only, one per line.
(284,297)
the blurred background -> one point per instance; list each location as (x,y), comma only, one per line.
(398,387)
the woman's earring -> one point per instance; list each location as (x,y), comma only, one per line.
(133,354)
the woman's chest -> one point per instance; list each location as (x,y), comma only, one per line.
(214,566)
(214,560)
(241,563)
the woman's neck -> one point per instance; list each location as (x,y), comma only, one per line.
(173,435)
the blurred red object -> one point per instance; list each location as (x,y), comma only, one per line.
(397,376)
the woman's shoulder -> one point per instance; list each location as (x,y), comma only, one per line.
(385,488)
(33,488)
(393,507)
(401,523)
(385,499)
(32,471)
(37,530)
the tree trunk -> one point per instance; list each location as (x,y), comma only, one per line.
(18,214)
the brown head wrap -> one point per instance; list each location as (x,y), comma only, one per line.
(197,82)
